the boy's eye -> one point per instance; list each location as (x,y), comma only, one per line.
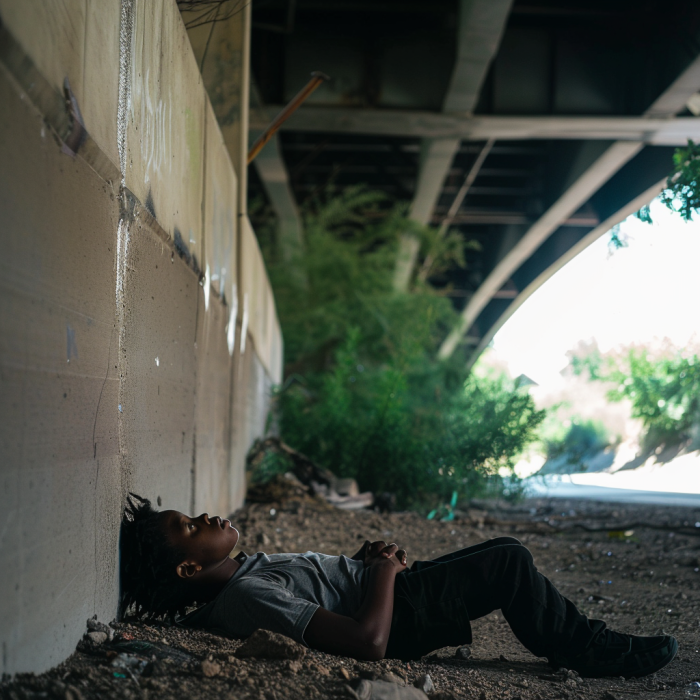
(191,527)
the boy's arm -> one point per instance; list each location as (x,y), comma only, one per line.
(366,635)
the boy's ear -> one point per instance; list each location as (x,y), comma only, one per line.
(188,569)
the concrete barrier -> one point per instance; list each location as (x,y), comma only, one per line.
(139,339)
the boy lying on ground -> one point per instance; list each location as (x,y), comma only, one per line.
(369,606)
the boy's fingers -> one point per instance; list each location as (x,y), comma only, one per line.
(390,550)
(376,547)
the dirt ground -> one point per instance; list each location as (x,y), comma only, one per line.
(642,582)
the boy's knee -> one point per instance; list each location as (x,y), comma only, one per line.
(521,553)
(514,552)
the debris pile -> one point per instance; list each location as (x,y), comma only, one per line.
(302,479)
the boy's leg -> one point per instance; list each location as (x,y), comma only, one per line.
(473,549)
(499,574)
(433,605)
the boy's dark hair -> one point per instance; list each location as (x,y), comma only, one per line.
(148,561)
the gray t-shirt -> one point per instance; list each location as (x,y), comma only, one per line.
(281,592)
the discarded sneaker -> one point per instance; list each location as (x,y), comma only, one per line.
(615,654)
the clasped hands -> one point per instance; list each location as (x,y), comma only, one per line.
(374,552)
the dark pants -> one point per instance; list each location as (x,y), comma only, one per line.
(434,601)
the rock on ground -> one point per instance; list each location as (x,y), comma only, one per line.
(263,644)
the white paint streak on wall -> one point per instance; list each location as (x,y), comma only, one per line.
(207,287)
(123,235)
(71,347)
(120,245)
(151,127)
(155,120)
(125,49)
(244,323)
(222,238)
(231,328)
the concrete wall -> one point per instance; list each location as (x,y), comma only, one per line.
(138,332)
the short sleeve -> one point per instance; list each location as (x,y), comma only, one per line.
(257,602)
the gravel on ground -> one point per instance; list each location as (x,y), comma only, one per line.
(637,567)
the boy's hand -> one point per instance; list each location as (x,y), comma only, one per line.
(360,555)
(369,550)
(366,634)
(381,551)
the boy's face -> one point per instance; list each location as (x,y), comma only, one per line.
(205,541)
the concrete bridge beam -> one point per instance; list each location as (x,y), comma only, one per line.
(650,130)
(481,25)
(597,174)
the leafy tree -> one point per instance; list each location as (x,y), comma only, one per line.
(586,360)
(664,391)
(682,192)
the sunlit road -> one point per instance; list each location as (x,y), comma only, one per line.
(556,486)
(674,483)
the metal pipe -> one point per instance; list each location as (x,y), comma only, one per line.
(466,185)
(457,203)
(316,79)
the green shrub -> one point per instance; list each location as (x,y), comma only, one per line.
(341,278)
(582,438)
(364,393)
(406,429)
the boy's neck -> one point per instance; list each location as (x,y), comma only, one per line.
(216,579)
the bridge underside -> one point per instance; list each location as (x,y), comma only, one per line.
(530,126)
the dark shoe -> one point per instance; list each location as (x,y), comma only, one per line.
(615,654)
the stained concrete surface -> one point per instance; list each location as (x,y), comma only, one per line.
(60,493)
(117,370)
(157,399)
(220,204)
(78,40)
(165,122)
(258,302)
(252,386)
(212,410)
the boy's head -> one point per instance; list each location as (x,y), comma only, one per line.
(170,561)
